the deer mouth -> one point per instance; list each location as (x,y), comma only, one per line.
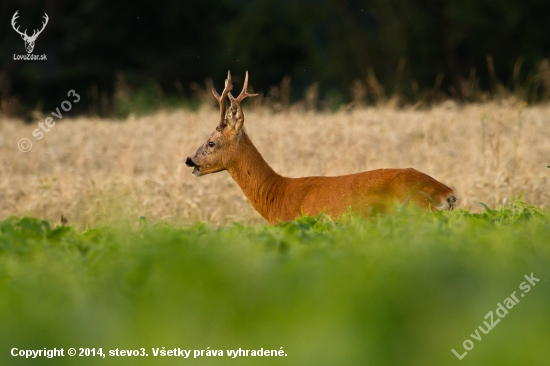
(196,171)
(196,168)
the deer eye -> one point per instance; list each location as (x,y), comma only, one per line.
(211,144)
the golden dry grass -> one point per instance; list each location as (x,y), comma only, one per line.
(103,172)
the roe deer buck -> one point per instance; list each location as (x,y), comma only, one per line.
(280,198)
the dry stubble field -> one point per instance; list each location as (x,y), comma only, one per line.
(103,172)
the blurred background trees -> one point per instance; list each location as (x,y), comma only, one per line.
(140,54)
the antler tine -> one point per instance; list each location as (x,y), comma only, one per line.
(13,19)
(221,99)
(46,18)
(36,31)
(243,94)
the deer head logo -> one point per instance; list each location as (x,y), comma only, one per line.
(29,41)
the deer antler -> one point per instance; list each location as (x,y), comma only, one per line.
(243,94)
(221,99)
(15,16)
(35,34)
(24,34)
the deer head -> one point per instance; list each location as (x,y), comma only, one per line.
(223,145)
(29,41)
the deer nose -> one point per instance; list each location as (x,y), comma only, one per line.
(190,162)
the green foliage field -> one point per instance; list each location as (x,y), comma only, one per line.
(394,290)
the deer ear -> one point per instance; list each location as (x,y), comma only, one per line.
(240,119)
(230,121)
(237,112)
(235,116)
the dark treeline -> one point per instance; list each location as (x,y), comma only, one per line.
(400,46)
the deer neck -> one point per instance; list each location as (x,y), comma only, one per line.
(259,182)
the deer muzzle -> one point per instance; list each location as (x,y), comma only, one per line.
(196,168)
(189,162)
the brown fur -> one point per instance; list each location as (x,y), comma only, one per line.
(280,198)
